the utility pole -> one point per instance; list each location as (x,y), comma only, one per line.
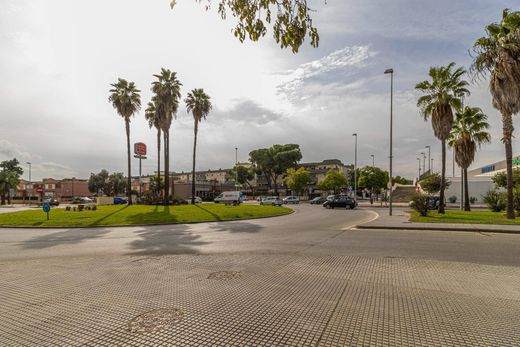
(423,163)
(390,183)
(373,165)
(419,160)
(429,161)
(30,183)
(355,166)
(236,169)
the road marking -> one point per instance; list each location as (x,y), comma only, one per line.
(373,218)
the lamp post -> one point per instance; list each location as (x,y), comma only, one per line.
(355,166)
(423,163)
(236,168)
(431,168)
(429,161)
(373,165)
(419,160)
(391,72)
(30,182)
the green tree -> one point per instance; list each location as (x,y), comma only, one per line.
(154,120)
(469,131)
(274,161)
(433,183)
(440,97)
(125,98)
(334,180)
(12,165)
(401,180)
(372,178)
(243,175)
(297,179)
(97,182)
(8,180)
(199,104)
(498,53)
(500,178)
(116,182)
(167,93)
(292,20)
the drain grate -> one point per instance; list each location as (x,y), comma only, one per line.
(155,320)
(224,275)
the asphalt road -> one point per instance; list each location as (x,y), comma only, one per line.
(306,279)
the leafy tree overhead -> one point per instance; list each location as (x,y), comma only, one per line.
(441,96)
(297,179)
(498,53)
(401,180)
(334,181)
(8,180)
(372,178)
(167,92)
(12,165)
(290,19)
(108,184)
(199,104)
(500,178)
(243,175)
(432,183)
(125,98)
(469,131)
(274,161)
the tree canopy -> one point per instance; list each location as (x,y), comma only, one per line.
(432,183)
(372,178)
(12,165)
(334,180)
(290,19)
(108,184)
(500,178)
(297,179)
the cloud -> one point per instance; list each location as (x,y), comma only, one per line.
(246,112)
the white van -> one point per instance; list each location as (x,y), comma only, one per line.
(229,198)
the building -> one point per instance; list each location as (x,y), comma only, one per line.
(62,190)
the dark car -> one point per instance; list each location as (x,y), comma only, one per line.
(52,202)
(318,200)
(340,201)
(120,201)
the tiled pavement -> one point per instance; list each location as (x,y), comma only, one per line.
(271,300)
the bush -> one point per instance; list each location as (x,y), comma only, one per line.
(472,200)
(94,208)
(421,204)
(81,207)
(67,208)
(74,209)
(452,199)
(496,201)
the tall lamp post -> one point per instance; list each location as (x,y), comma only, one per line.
(390,183)
(236,168)
(355,166)
(429,160)
(423,163)
(373,165)
(30,182)
(419,160)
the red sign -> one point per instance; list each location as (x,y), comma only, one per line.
(140,148)
(39,190)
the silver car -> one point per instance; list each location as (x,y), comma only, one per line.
(272,200)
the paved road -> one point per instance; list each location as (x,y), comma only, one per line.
(307,279)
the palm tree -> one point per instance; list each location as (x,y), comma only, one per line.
(126,100)
(468,132)
(167,91)
(499,54)
(441,96)
(199,104)
(152,116)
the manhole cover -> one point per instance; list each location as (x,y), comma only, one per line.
(155,320)
(224,275)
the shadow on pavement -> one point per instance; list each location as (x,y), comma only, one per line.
(236,227)
(69,236)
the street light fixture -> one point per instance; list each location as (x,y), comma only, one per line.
(424,162)
(390,183)
(355,166)
(373,165)
(429,161)
(236,168)
(419,160)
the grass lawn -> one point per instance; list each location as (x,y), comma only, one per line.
(472,217)
(139,214)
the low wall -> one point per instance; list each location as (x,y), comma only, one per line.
(105,200)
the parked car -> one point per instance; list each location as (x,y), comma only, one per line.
(331,197)
(340,201)
(319,200)
(291,200)
(82,200)
(198,200)
(51,201)
(231,197)
(120,201)
(272,200)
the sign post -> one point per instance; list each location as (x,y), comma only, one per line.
(46,208)
(140,153)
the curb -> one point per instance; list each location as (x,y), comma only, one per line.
(138,225)
(479,230)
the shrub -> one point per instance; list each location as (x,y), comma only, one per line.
(472,200)
(67,208)
(495,201)
(94,208)
(81,207)
(452,199)
(74,209)
(421,204)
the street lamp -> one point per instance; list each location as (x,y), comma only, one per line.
(391,72)
(236,168)
(419,160)
(432,165)
(373,165)
(355,166)
(30,182)
(429,161)
(423,162)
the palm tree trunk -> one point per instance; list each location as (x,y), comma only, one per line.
(166,169)
(467,206)
(443,177)
(507,128)
(159,159)
(129,179)
(193,171)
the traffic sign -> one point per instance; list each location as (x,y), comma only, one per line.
(389,185)
(39,190)
(46,208)
(349,188)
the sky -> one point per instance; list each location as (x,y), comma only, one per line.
(59,58)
